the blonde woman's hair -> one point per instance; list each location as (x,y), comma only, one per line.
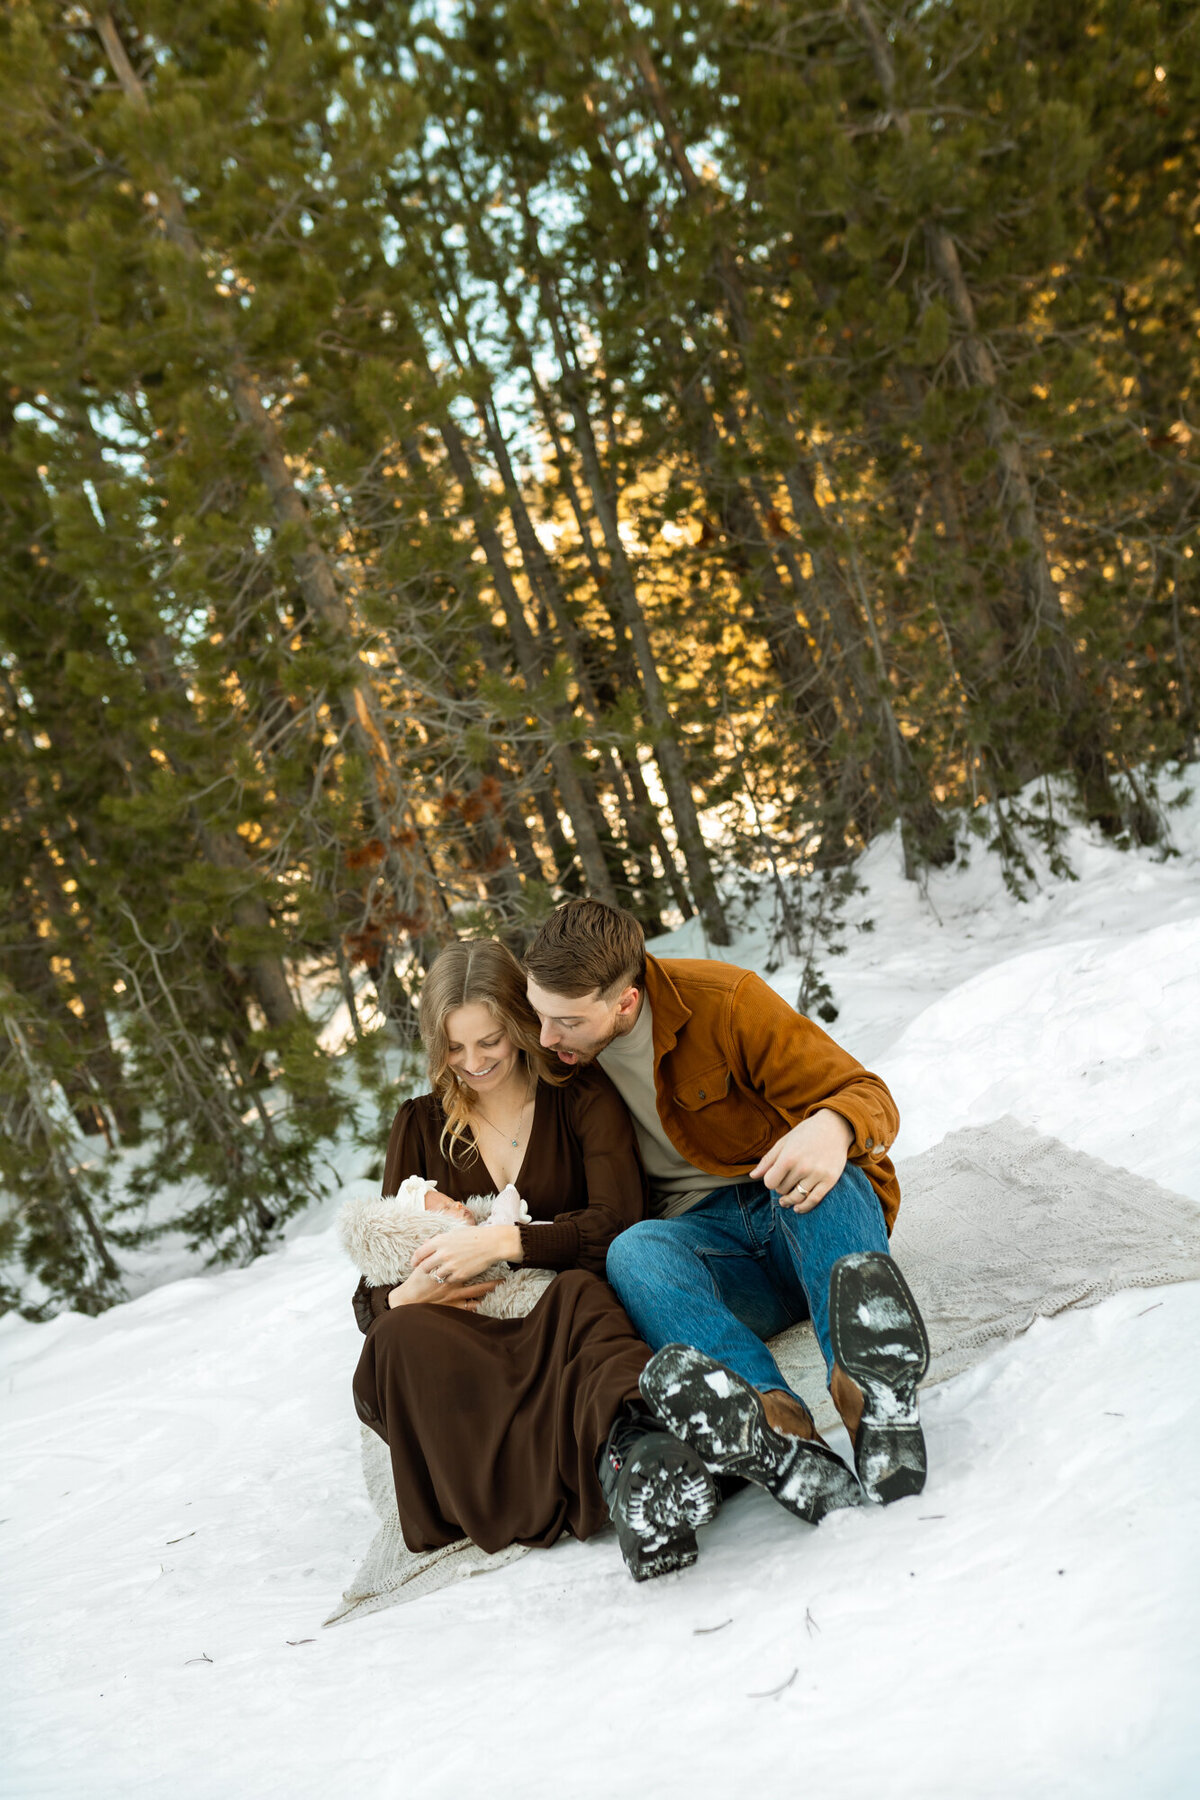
(478,972)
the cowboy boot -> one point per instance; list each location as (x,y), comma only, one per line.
(730,1425)
(881,1352)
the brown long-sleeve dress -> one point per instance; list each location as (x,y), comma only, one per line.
(495,1425)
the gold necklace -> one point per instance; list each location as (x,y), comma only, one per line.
(514,1141)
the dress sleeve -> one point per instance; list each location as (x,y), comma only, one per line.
(406,1155)
(408,1148)
(614,1180)
(368,1303)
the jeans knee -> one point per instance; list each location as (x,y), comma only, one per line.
(850,1216)
(869,1206)
(631,1252)
(858,1183)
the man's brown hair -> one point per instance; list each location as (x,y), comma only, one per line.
(585,946)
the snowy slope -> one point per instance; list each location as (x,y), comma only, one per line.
(181,1503)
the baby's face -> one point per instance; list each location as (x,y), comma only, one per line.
(442,1203)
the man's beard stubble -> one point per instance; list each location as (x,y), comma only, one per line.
(583,1057)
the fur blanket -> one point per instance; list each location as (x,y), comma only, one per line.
(382,1235)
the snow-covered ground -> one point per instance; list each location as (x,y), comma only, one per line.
(182,1506)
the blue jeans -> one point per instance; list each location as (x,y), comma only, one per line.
(738,1267)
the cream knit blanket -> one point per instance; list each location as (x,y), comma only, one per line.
(999,1226)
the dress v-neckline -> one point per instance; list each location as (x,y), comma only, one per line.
(498,1186)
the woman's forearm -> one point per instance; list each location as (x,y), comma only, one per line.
(458,1256)
(508,1238)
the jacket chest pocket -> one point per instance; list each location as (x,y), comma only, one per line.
(702,1089)
(727,1122)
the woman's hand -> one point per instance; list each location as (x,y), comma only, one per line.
(459,1256)
(420,1289)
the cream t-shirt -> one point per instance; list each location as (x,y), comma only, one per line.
(675,1184)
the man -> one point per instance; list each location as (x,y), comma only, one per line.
(766,1149)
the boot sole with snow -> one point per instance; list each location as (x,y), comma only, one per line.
(660,1498)
(879,1340)
(722,1417)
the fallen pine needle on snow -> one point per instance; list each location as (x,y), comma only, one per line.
(1147,1309)
(180,1540)
(774,1693)
(195,1659)
(704,1630)
(301,1640)
(810,1624)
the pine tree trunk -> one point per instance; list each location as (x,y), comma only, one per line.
(641,817)
(666,747)
(927,837)
(1044,638)
(544,581)
(78,1229)
(314,576)
(974,634)
(803,681)
(531,664)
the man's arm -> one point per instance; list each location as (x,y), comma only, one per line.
(837,1108)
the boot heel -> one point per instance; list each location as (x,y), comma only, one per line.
(658,1494)
(879,1340)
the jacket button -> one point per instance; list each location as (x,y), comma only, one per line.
(702,1093)
(870,1143)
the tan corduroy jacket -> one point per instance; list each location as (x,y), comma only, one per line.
(735,1067)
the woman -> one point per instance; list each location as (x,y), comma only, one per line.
(514,1430)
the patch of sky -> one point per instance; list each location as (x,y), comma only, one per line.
(391,243)
(116,433)
(193,624)
(119,443)
(442,14)
(335,18)
(93,500)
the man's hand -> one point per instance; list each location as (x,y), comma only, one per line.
(419,1289)
(807,1161)
(459,1256)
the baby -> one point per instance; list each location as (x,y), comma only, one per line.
(381,1236)
(416,1194)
